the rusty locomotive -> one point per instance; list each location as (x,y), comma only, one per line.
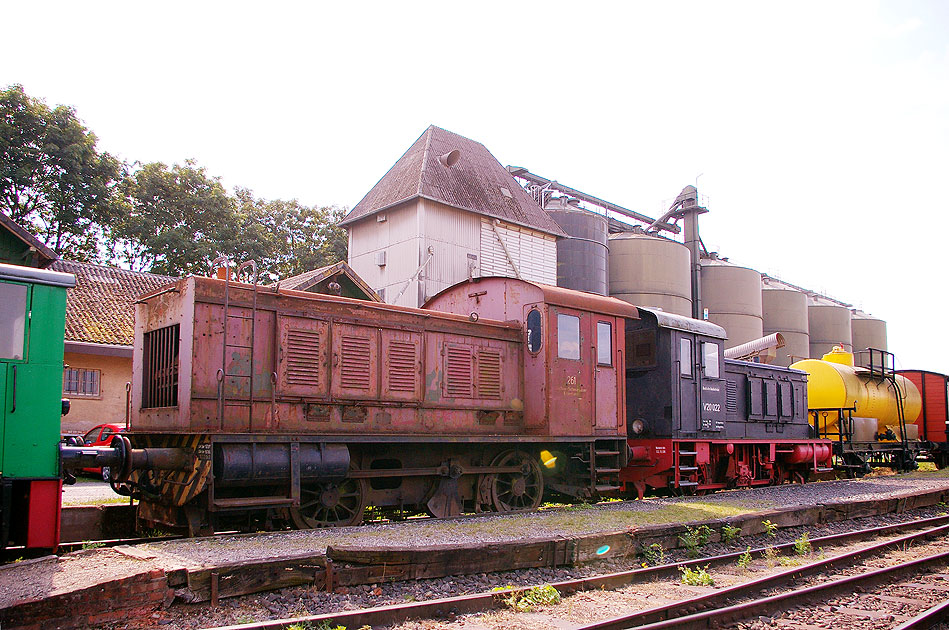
(259,406)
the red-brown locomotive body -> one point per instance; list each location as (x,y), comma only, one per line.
(312,407)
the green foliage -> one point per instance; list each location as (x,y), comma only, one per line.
(696,577)
(175,220)
(53,179)
(771,556)
(526,601)
(323,625)
(692,539)
(179,220)
(730,533)
(771,529)
(744,560)
(287,238)
(802,546)
(654,554)
(92,545)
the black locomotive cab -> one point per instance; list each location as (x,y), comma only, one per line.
(675,379)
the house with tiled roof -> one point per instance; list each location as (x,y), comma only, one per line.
(99,333)
(447,211)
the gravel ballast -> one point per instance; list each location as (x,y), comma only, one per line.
(47,577)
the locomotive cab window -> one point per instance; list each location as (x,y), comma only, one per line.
(604,343)
(534,331)
(568,336)
(685,357)
(12,320)
(710,359)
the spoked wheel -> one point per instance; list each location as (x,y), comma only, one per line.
(330,504)
(520,490)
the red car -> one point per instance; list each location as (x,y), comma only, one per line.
(100,435)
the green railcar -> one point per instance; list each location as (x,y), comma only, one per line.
(32,324)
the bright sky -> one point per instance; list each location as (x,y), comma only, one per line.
(820,129)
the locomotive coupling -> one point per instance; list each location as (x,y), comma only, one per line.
(122,458)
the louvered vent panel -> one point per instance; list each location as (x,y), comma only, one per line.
(489,373)
(302,356)
(458,372)
(354,367)
(402,363)
(731,397)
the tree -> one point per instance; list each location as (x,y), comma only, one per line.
(179,220)
(286,237)
(53,180)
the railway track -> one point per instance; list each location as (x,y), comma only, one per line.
(695,610)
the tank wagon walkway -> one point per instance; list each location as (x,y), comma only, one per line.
(126,582)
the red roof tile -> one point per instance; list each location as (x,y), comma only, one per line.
(99,309)
(476,182)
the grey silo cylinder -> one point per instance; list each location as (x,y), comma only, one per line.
(867,332)
(650,271)
(582,259)
(732,295)
(785,311)
(828,326)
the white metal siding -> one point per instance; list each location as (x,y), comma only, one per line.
(535,253)
(398,237)
(452,234)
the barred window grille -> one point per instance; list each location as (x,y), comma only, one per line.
(160,373)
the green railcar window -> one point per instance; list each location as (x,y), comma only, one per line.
(12,320)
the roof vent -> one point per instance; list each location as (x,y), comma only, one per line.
(450,159)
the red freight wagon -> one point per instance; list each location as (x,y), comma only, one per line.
(277,405)
(933,419)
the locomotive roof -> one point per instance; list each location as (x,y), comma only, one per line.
(36,276)
(321,297)
(559,296)
(687,324)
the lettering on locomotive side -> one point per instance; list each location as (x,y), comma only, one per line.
(572,387)
(709,388)
(713,407)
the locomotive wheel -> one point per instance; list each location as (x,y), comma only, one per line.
(516,491)
(330,505)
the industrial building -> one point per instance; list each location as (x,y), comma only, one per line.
(448,211)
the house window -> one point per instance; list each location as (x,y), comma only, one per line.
(81,382)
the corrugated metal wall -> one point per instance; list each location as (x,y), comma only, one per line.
(462,243)
(398,237)
(535,253)
(454,236)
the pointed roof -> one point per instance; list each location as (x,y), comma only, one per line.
(471,179)
(317,281)
(35,252)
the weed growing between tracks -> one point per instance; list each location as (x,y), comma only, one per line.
(699,576)
(526,601)
(730,533)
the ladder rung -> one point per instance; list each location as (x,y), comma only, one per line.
(688,468)
(688,483)
(606,471)
(606,453)
(688,452)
